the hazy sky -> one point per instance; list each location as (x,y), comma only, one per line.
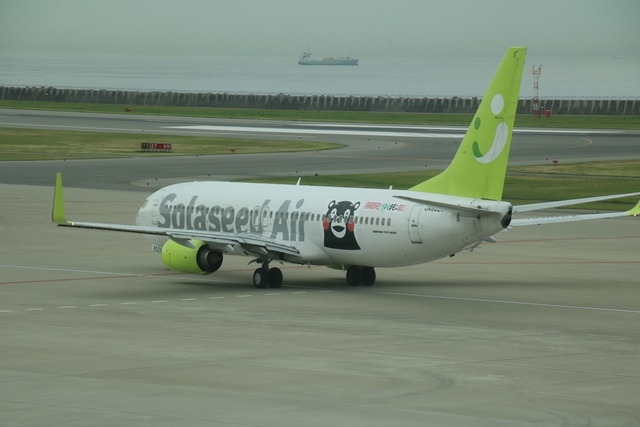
(331,27)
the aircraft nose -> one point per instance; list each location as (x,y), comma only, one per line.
(144,216)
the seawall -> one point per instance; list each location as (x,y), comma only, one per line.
(630,107)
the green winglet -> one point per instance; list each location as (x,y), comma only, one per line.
(635,211)
(57,215)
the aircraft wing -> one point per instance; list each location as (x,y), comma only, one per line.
(253,243)
(222,241)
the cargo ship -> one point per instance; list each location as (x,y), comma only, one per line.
(305,59)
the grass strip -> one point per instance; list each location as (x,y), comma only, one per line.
(31,144)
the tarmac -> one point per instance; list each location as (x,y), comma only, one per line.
(540,328)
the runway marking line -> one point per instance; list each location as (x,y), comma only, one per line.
(319,290)
(568,239)
(115,275)
(589,142)
(446,262)
(535,304)
(105,275)
(338,156)
(61,280)
(157,301)
(301,131)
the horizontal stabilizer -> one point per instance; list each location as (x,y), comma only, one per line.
(568,218)
(571,202)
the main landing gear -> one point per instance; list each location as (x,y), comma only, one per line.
(267,277)
(357,275)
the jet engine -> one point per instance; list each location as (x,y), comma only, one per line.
(198,260)
(506,220)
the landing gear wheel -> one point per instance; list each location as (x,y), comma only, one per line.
(354,275)
(275,278)
(260,278)
(368,276)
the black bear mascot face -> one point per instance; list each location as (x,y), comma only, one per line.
(339,226)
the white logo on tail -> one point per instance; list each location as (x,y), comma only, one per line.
(501,135)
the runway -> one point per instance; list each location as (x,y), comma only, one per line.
(370,149)
(540,328)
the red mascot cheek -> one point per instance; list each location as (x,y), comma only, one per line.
(351,226)
(325,224)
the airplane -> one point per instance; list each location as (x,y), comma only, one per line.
(193,226)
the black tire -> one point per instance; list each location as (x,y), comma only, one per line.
(368,276)
(275,278)
(354,275)
(260,278)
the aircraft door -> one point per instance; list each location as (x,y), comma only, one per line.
(414,224)
(255,217)
(265,217)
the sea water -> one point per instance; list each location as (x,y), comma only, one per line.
(561,77)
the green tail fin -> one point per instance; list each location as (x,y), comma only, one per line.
(480,165)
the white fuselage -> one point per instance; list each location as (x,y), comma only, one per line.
(327,225)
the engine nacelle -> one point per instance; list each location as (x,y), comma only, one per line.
(506,220)
(199,260)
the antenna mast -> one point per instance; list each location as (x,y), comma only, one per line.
(535,104)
